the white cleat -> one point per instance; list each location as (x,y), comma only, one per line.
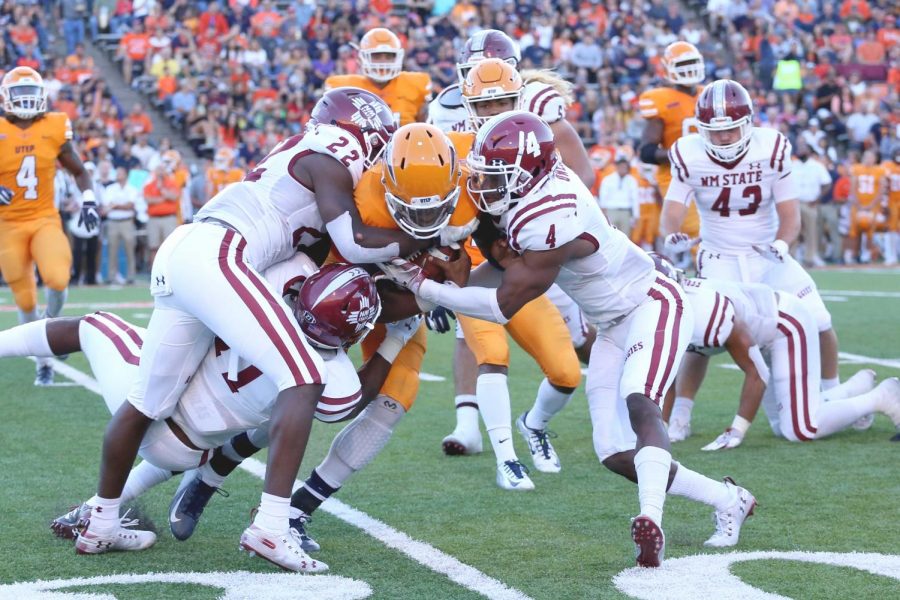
(283,550)
(729,521)
(513,475)
(543,455)
(889,389)
(122,539)
(679,430)
(462,442)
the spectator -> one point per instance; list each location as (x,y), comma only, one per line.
(812,181)
(134,48)
(162,195)
(119,199)
(618,194)
(138,121)
(74,12)
(586,53)
(144,152)
(860,123)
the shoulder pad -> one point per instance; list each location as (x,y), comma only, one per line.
(544,222)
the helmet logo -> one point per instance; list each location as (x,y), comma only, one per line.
(529,141)
(363,317)
(366,113)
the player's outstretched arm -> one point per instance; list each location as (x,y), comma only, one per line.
(71,162)
(571,150)
(356,242)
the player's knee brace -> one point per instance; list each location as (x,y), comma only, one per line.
(361,441)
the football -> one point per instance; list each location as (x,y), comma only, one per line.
(432,271)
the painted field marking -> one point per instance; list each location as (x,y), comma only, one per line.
(89,306)
(440,562)
(859,294)
(423,376)
(845,358)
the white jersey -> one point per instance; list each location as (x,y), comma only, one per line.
(717,304)
(736,203)
(543,100)
(273,211)
(447,113)
(607,284)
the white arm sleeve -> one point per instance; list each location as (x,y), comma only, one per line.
(478,302)
(341,232)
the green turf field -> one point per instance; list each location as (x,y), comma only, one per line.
(568,539)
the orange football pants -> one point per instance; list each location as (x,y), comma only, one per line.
(24,243)
(402,383)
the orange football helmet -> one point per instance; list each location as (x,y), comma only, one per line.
(23,93)
(683,64)
(600,156)
(421,179)
(380,41)
(170,160)
(491,79)
(223,158)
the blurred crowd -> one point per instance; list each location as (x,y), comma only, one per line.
(236,76)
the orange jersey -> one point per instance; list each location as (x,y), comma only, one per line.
(893,174)
(868,181)
(28,165)
(220,178)
(406,94)
(646,194)
(676,109)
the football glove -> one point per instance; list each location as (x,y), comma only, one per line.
(6,195)
(680,242)
(730,438)
(404,273)
(777,251)
(439,319)
(90,216)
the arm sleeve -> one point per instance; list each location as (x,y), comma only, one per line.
(477,302)
(341,232)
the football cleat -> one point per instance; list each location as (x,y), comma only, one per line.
(69,525)
(122,539)
(729,521)
(889,389)
(190,499)
(513,475)
(462,442)
(543,455)
(679,430)
(44,376)
(298,529)
(649,541)
(283,550)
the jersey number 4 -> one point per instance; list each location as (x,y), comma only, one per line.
(751,191)
(27,177)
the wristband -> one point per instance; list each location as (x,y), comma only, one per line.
(781,246)
(740,424)
(88,196)
(389,349)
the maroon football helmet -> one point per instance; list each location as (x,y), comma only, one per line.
(337,306)
(489,43)
(725,119)
(513,152)
(360,113)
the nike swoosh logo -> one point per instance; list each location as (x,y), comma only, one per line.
(172,517)
(504,440)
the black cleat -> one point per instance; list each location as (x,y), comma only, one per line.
(188,504)
(44,376)
(299,526)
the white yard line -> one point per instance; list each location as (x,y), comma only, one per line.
(89,306)
(846,358)
(857,293)
(421,552)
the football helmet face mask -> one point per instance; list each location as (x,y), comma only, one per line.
(488,82)
(683,64)
(337,306)
(421,179)
(380,55)
(725,119)
(489,43)
(360,113)
(512,154)
(23,93)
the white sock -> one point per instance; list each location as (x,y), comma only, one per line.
(466,413)
(210,477)
(652,467)
(29,339)
(693,485)
(838,415)
(827,384)
(549,402)
(493,404)
(55,301)
(104,514)
(681,409)
(273,514)
(28,317)
(141,478)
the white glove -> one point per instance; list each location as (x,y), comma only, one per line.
(777,251)
(680,242)
(404,273)
(403,330)
(730,438)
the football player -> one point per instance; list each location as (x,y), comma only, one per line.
(222,172)
(869,188)
(892,245)
(381,62)
(773,339)
(646,217)
(740,178)
(205,282)
(554,231)
(669,112)
(32,140)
